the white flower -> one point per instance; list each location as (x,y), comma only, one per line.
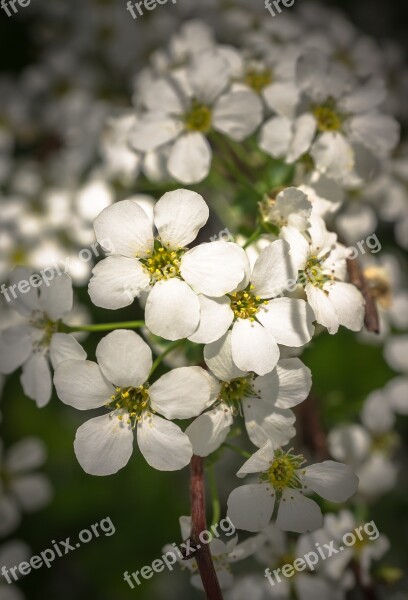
(224,554)
(365,551)
(12,553)
(172,275)
(290,208)
(20,488)
(338,121)
(278,551)
(285,480)
(264,402)
(181,113)
(32,346)
(369,448)
(260,319)
(321,263)
(119,382)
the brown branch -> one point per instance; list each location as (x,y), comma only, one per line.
(199,524)
(356,275)
(312,433)
(367,589)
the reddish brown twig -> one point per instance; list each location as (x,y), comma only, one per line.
(356,275)
(199,524)
(367,589)
(312,432)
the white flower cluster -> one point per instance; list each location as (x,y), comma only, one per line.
(288,128)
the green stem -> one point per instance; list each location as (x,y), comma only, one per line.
(238,450)
(254,237)
(163,355)
(102,326)
(216,508)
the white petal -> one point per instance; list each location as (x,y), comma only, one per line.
(163,444)
(218,357)
(397,391)
(181,394)
(117,281)
(333,155)
(36,379)
(396,353)
(299,246)
(56,299)
(15,348)
(208,75)
(179,216)
(215,318)
(288,385)
(34,492)
(9,515)
(124,358)
(282,98)
(276,136)
(214,269)
(125,229)
(25,304)
(80,383)
(190,158)
(288,320)
(260,461)
(303,133)
(349,305)
(209,431)
(297,513)
(238,114)
(379,133)
(65,347)
(322,308)
(349,443)
(250,507)
(273,270)
(377,414)
(104,445)
(331,480)
(253,347)
(154,130)
(172,310)
(264,422)
(160,96)
(26,455)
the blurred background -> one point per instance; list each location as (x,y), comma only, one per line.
(65,67)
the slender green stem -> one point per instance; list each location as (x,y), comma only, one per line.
(238,450)
(216,508)
(103,326)
(163,355)
(254,237)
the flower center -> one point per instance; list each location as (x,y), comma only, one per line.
(199,118)
(234,391)
(245,305)
(380,286)
(41,321)
(328,119)
(163,263)
(313,273)
(135,401)
(385,443)
(258,80)
(282,472)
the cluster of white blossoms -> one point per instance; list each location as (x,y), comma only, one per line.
(286,132)
(23,490)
